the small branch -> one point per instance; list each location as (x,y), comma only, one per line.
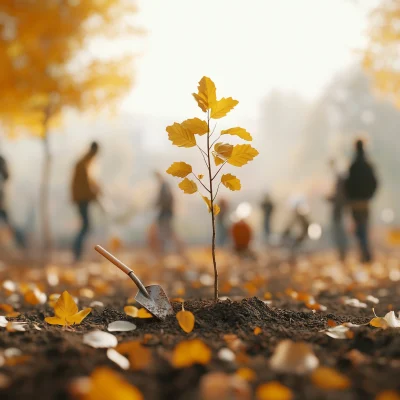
(202,184)
(204,154)
(217,191)
(219,170)
(215,141)
(213,130)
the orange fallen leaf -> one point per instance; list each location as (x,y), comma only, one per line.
(388,395)
(34,297)
(267,295)
(105,384)
(132,311)
(139,356)
(6,308)
(191,352)
(330,379)
(257,330)
(13,314)
(186,320)
(273,391)
(246,373)
(233,342)
(143,313)
(66,312)
(17,360)
(331,323)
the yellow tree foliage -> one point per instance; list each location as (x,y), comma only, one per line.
(184,135)
(381,57)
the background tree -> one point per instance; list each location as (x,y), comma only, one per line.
(46,67)
(381,56)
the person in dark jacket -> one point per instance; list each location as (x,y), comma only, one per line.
(360,187)
(267,207)
(4,177)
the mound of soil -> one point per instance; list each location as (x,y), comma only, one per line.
(59,355)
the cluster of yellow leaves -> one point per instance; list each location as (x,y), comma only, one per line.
(191,352)
(66,312)
(184,135)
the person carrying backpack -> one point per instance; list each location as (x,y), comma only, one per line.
(360,187)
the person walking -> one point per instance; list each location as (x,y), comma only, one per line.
(267,208)
(360,187)
(338,202)
(222,223)
(84,191)
(19,237)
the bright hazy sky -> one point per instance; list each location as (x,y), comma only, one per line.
(248,47)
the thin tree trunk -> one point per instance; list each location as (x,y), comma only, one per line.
(44,195)
(212,215)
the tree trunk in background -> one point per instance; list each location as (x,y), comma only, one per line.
(44,196)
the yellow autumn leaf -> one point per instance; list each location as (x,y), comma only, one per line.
(215,207)
(242,154)
(106,384)
(379,322)
(191,352)
(218,160)
(257,330)
(222,151)
(273,391)
(246,374)
(200,176)
(143,313)
(196,126)
(207,93)
(179,169)
(241,132)
(231,182)
(139,356)
(132,311)
(186,320)
(330,379)
(220,108)
(180,136)
(188,186)
(66,312)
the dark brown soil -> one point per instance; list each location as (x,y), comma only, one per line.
(59,355)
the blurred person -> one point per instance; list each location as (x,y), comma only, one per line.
(297,229)
(4,177)
(84,191)
(360,187)
(165,217)
(338,202)
(222,223)
(267,207)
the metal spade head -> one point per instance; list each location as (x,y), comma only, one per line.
(157,304)
(152,297)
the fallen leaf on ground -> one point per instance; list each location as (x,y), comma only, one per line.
(227,355)
(388,395)
(330,379)
(233,342)
(3,321)
(273,391)
(16,326)
(257,330)
(372,299)
(105,384)
(357,358)
(35,297)
(6,308)
(247,374)
(292,357)
(96,304)
(191,352)
(331,323)
(67,312)
(186,320)
(121,326)
(355,303)
(132,311)
(341,331)
(139,356)
(388,321)
(100,340)
(143,313)
(118,359)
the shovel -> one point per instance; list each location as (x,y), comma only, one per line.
(152,297)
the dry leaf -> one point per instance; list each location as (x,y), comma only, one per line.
(388,395)
(35,297)
(143,313)
(291,357)
(66,312)
(100,340)
(118,359)
(257,330)
(191,352)
(105,384)
(16,326)
(121,326)
(338,332)
(330,379)
(273,391)
(388,321)
(13,314)
(247,374)
(186,320)
(6,308)
(139,356)
(331,323)
(132,311)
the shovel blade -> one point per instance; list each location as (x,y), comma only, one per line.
(158,303)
